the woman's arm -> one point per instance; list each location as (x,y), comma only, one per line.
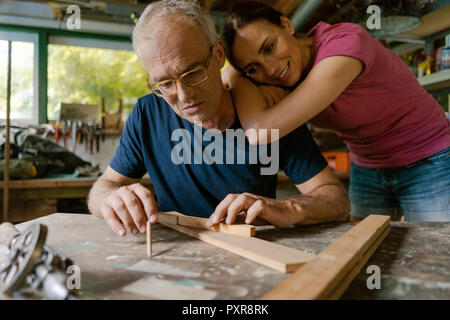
(324,83)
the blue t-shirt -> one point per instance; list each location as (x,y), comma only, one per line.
(151,142)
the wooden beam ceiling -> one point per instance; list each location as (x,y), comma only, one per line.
(285,6)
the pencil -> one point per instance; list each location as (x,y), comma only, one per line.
(149,239)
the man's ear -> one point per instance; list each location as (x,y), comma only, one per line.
(219,51)
(287,24)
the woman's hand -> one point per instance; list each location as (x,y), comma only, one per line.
(273,94)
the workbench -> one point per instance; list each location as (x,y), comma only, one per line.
(53,188)
(34,198)
(414,260)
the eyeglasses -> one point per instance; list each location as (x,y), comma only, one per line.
(190,78)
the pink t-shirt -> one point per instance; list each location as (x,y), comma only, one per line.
(384,116)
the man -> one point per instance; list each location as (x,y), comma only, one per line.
(177,44)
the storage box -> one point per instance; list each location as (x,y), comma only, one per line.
(338,160)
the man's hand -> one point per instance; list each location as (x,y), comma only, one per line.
(276,212)
(129,207)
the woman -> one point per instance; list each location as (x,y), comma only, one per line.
(339,77)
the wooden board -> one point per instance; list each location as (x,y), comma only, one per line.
(244,230)
(343,286)
(320,278)
(267,253)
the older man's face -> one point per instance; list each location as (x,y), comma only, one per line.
(176,48)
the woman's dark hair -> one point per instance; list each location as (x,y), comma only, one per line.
(241,15)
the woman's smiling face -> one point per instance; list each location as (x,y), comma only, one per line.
(268,53)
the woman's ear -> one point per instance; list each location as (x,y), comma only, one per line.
(287,25)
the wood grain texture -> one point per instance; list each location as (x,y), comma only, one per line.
(267,253)
(166,218)
(320,278)
(343,286)
(244,230)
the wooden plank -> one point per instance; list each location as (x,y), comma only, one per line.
(245,230)
(167,218)
(320,278)
(269,254)
(24,210)
(34,189)
(48,193)
(343,286)
(287,7)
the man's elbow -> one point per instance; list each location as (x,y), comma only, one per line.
(343,203)
(344,214)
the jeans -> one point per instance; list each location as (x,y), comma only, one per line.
(418,191)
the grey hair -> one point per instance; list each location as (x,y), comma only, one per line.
(190,10)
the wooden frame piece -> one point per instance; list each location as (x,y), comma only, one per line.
(330,273)
(173,217)
(343,286)
(272,255)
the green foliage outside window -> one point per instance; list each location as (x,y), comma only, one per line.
(85,75)
(22,57)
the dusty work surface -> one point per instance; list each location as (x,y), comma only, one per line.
(414,260)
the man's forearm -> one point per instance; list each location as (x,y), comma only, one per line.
(326,203)
(100,190)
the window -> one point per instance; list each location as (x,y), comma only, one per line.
(80,72)
(24,77)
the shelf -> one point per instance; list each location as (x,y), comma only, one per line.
(432,22)
(435,81)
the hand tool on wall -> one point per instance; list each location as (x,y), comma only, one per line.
(57,132)
(82,134)
(74,135)
(87,137)
(69,129)
(97,137)
(31,264)
(103,118)
(64,132)
(91,137)
(79,131)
